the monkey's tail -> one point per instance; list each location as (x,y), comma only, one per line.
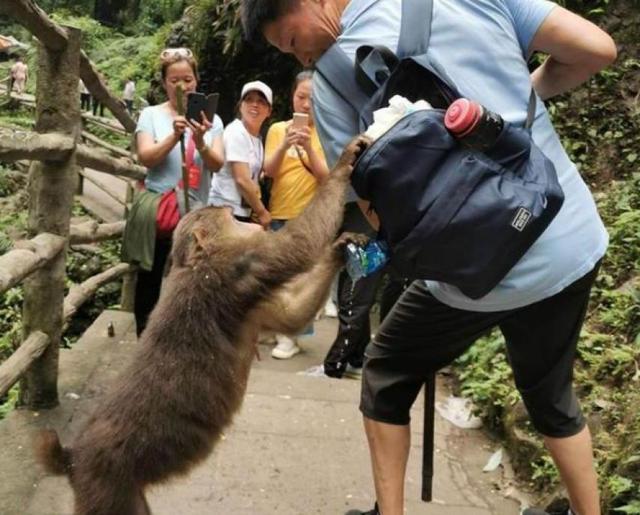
(51,455)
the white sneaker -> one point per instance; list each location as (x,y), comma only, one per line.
(286,347)
(330,309)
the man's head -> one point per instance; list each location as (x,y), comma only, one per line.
(304,28)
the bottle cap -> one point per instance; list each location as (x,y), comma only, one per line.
(461,116)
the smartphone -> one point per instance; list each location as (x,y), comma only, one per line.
(198,102)
(300,120)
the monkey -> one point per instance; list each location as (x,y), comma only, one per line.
(228,281)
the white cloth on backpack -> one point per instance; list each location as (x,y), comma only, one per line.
(386,117)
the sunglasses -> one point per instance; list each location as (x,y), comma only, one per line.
(176,53)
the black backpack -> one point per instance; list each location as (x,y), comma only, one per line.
(448,213)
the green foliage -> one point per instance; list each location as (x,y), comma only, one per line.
(486,377)
(118,57)
(212,29)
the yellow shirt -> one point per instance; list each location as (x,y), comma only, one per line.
(293,186)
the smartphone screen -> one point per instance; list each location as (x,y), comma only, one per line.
(300,120)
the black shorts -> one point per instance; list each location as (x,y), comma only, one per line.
(421,334)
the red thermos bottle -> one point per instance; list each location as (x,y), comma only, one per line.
(480,129)
(472,124)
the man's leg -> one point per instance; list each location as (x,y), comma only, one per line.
(389,449)
(541,343)
(574,458)
(419,335)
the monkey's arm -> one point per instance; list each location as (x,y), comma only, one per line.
(297,302)
(281,256)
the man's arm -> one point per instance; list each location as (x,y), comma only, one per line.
(577,50)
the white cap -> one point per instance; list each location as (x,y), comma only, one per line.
(260,86)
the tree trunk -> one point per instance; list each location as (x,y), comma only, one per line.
(51,187)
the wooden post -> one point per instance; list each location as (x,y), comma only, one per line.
(128,292)
(128,199)
(51,187)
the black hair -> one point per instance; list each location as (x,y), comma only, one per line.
(301,77)
(255,14)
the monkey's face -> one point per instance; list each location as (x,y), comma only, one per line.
(207,231)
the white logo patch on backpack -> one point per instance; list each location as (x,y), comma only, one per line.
(521,219)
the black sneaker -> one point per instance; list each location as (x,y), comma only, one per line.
(539,511)
(370,512)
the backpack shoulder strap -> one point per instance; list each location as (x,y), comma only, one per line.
(416,19)
(338,70)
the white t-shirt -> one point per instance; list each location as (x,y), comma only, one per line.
(129,90)
(239,147)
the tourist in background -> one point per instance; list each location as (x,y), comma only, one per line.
(129,94)
(19,76)
(236,185)
(85,96)
(158,133)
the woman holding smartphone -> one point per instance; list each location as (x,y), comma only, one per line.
(296,163)
(237,183)
(158,133)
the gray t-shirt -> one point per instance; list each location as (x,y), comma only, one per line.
(239,147)
(158,122)
(482,45)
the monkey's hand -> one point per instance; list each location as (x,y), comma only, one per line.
(351,153)
(345,238)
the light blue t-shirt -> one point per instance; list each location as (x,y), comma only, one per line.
(482,45)
(155,120)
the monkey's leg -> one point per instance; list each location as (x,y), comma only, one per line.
(142,507)
(107,495)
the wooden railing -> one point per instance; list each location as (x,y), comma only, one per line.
(56,152)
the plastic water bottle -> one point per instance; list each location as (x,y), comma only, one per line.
(363,261)
(480,129)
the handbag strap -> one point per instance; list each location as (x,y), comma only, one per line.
(190,152)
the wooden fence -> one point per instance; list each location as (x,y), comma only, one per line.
(56,152)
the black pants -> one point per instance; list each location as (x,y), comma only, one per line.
(97,105)
(422,335)
(85,101)
(148,285)
(354,304)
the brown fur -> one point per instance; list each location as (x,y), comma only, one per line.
(169,408)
